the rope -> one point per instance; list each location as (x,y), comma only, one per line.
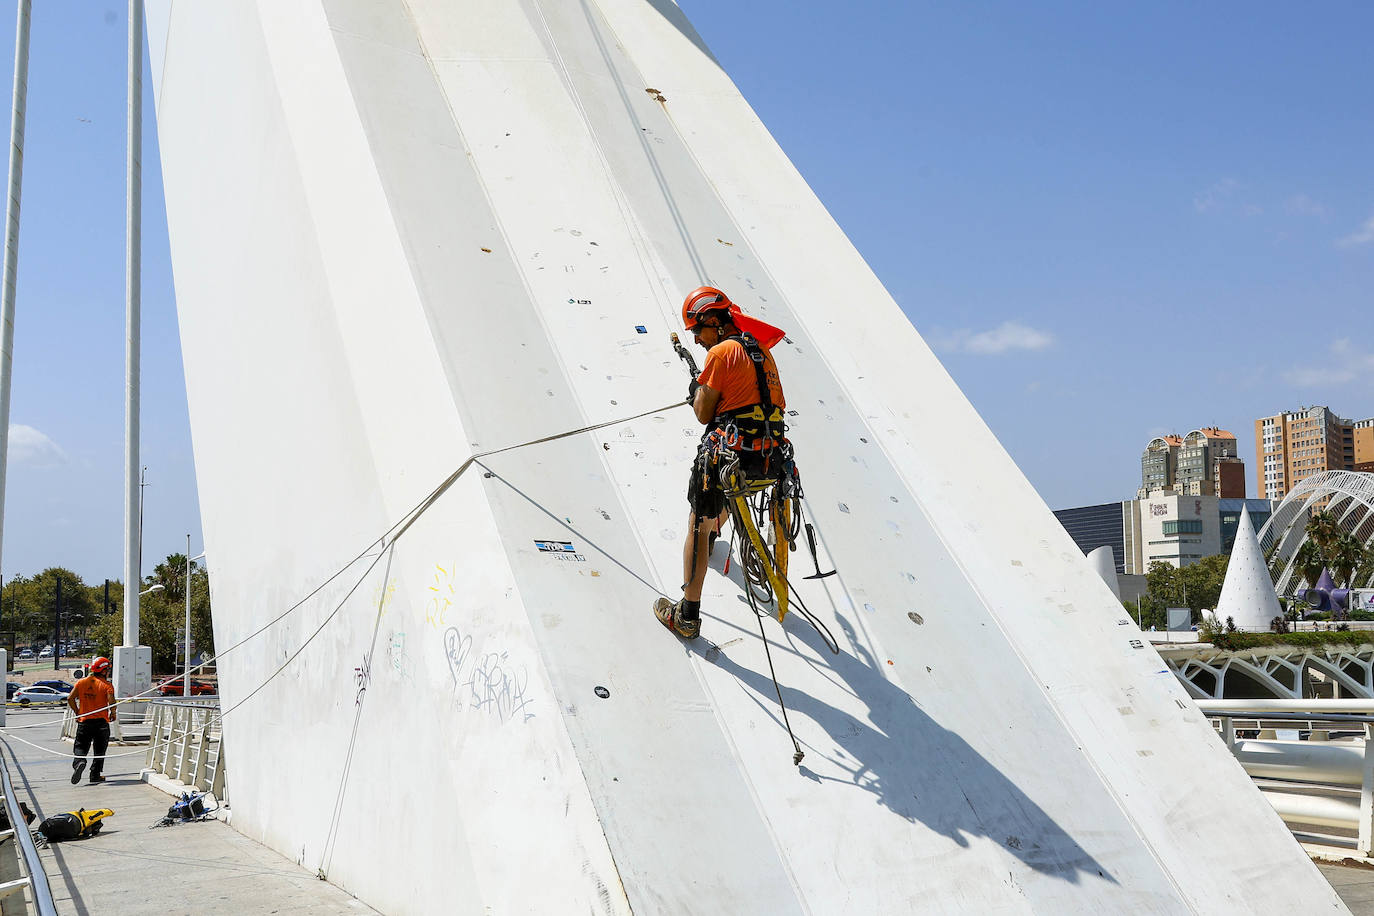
(387,540)
(797,754)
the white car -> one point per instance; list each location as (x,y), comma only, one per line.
(25,653)
(46,653)
(26,695)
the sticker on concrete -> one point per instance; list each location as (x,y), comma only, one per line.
(562,550)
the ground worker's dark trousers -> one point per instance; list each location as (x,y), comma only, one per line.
(93,734)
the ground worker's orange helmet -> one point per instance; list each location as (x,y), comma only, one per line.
(704,299)
(99,663)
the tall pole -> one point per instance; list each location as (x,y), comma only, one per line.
(11,268)
(186,650)
(132,285)
(57,628)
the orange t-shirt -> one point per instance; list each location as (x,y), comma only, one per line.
(730,371)
(92,696)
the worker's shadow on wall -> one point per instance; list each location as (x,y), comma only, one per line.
(915,767)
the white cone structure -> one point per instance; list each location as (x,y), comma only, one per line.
(406,232)
(1102,560)
(1247,594)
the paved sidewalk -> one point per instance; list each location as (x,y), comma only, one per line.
(201,868)
(1354,884)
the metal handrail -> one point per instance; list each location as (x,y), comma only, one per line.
(1294,716)
(33,865)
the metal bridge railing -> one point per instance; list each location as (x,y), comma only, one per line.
(184,743)
(37,879)
(1317,783)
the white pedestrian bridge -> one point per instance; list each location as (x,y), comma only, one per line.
(1273,672)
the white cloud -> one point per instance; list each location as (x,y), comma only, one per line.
(1341,366)
(29,446)
(1306,206)
(1215,196)
(1009,335)
(1361,236)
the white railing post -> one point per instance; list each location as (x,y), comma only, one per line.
(1367,798)
(152,737)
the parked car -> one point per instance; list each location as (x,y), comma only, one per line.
(171,687)
(24,653)
(55,684)
(35,694)
(46,653)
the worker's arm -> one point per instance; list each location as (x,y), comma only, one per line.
(71,701)
(704,404)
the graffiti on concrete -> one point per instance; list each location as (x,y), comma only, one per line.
(442,590)
(401,662)
(487,680)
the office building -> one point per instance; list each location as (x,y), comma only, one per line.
(1203,463)
(1092,527)
(1294,445)
(1165,527)
(1362,437)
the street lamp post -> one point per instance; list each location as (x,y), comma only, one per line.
(57,628)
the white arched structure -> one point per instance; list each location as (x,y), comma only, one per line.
(1348,495)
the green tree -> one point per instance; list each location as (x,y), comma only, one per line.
(30,605)
(1309,561)
(161,614)
(1346,555)
(1323,529)
(1364,573)
(1195,587)
(16,608)
(1164,584)
(1202,582)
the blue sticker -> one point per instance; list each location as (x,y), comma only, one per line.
(641,329)
(555,546)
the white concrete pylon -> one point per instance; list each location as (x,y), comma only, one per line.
(449,227)
(1104,562)
(1247,595)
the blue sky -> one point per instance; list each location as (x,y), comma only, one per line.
(64,499)
(1110,221)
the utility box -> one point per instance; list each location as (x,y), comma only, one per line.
(133,670)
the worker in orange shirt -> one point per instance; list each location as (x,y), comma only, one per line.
(93,701)
(738,398)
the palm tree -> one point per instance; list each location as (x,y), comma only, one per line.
(1346,556)
(171,575)
(1364,572)
(1310,562)
(1323,529)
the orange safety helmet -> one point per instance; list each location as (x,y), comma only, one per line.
(99,663)
(705,299)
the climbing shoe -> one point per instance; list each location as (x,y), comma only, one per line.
(670,615)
